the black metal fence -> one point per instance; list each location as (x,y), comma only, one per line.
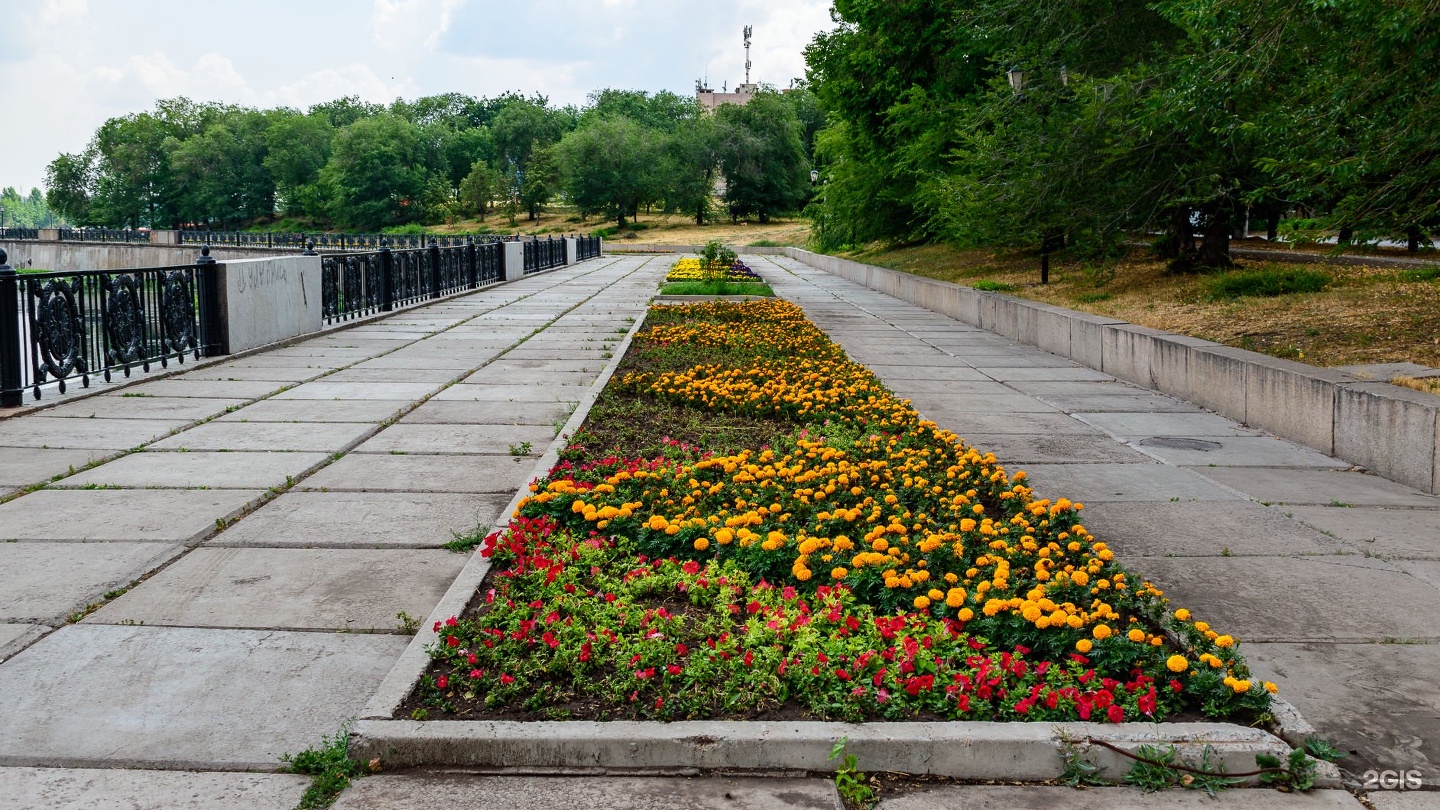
(543,254)
(325,241)
(19,233)
(587,247)
(58,327)
(104,235)
(356,284)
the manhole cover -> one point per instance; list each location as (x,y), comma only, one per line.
(1176,443)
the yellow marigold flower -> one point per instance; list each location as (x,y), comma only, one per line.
(801,574)
(1031,612)
(922,602)
(1100,632)
(1271,688)
(1177,663)
(1074,621)
(935,594)
(1084,645)
(1183,615)
(1080,578)
(1224,641)
(724,536)
(1136,635)
(838,573)
(1202,626)
(658,523)
(955,597)
(966,614)
(701,544)
(1240,687)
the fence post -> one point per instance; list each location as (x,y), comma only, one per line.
(434,268)
(213,337)
(472,273)
(12,395)
(387,277)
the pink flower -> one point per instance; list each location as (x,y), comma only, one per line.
(442,682)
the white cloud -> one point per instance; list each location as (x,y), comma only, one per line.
(395,24)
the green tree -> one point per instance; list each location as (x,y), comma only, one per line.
(376,176)
(610,166)
(69,182)
(297,148)
(766,172)
(478,188)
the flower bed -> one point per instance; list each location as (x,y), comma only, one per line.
(692,270)
(785,538)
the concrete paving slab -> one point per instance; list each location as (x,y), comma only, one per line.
(457,412)
(171,516)
(586,366)
(1411,533)
(46,582)
(1061,389)
(1042,797)
(350,391)
(502,373)
(1233,451)
(110,789)
(1058,373)
(1318,487)
(1028,424)
(283,375)
(89,434)
(957,372)
(207,389)
(14,638)
(424,791)
(1330,598)
(511,393)
(23,466)
(960,402)
(288,588)
(1376,701)
(1122,482)
(1203,530)
(326,437)
(438,376)
(1166,424)
(363,472)
(189,697)
(1403,800)
(363,520)
(319,410)
(1060,448)
(190,470)
(965,388)
(119,406)
(446,439)
(1119,403)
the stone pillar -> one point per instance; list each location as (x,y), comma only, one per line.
(572,250)
(164,237)
(49,234)
(514,260)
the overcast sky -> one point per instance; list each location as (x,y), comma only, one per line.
(67,65)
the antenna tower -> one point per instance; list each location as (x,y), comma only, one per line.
(748,29)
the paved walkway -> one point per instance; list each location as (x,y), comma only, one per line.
(283,508)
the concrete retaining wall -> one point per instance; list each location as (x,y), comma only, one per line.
(269,300)
(1393,431)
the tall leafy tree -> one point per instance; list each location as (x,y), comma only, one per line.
(297,148)
(763,157)
(376,175)
(610,166)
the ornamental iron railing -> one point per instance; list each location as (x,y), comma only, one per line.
(587,247)
(19,233)
(543,254)
(357,284)
(104,235)
(325,241)
(58,327)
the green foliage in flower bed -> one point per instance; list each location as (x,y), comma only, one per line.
(716,288)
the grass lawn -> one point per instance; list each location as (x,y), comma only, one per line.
(715,288)
(1335,315)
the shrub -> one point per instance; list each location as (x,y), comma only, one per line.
(1267,281)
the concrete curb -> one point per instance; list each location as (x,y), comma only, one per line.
(1027,752)
(1392,431)
(411,666)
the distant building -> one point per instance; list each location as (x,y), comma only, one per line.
(709,99)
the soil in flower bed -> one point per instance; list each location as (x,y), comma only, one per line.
(749,526)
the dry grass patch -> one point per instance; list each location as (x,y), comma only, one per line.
(1364,315)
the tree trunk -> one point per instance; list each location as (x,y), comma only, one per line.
(620,220)
(1215,249)
(1347,235)
(700,214)
(1412,238)
(1272,224)
(1179,241)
